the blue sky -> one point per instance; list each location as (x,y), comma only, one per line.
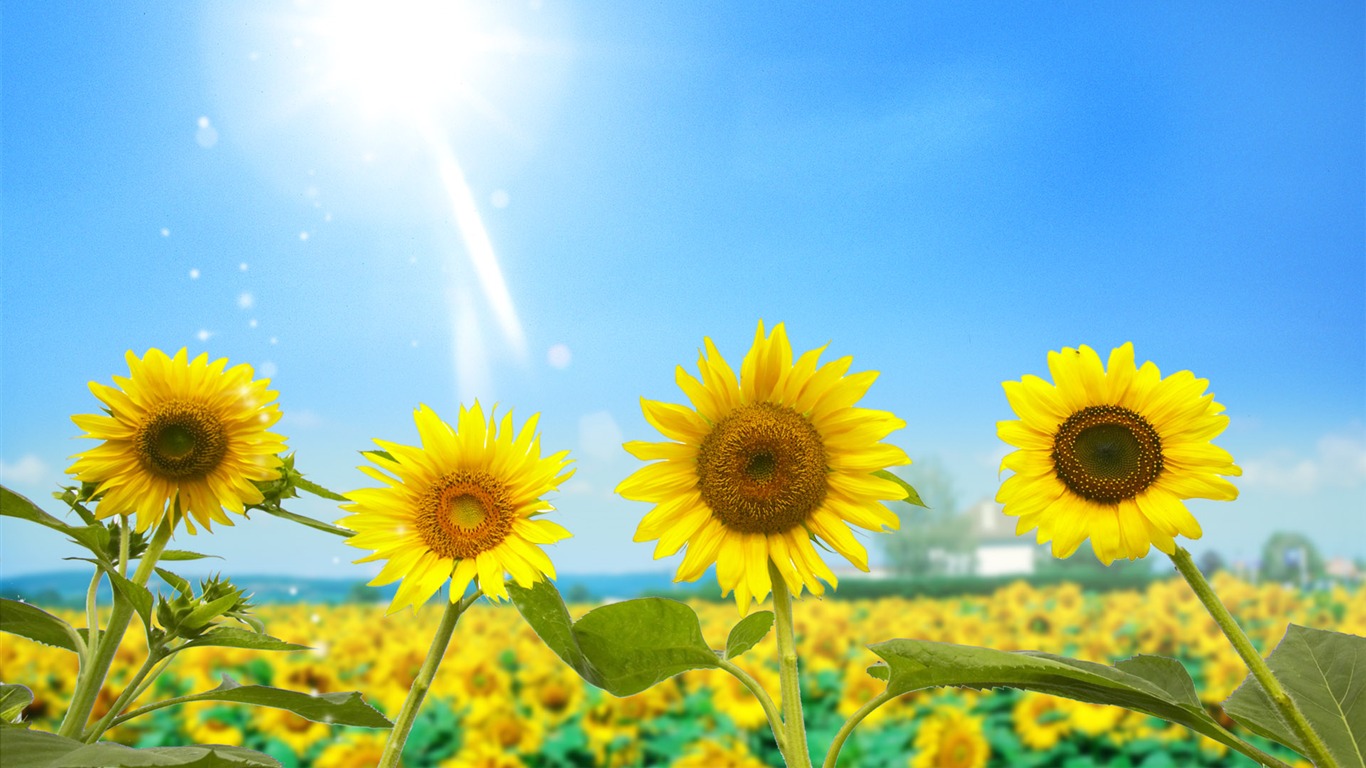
(944,191)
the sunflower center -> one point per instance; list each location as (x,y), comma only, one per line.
(762,469)
(464,513)
(181,439)
(1107,454)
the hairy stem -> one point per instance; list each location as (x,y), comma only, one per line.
(775,720)
(393,748)
(1313,745)
(832,756)
(798,754)
(135,687)
(91,677)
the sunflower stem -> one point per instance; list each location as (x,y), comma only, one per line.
(775,720)
(135,687)
(91,677)
(92,616)
(797,753)
(832,756)
(1313,745)
(393,748)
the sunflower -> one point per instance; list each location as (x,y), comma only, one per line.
(1110,455)
(951,738)
(184,438)
(463,506)
(764,465)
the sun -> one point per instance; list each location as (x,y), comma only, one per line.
(408,59)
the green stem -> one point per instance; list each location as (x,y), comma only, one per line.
(1313,745)
(393,748)
(835,746)
(775,720)
(123,548)
(798,754)
(135,686)
(92,615)
(91,679)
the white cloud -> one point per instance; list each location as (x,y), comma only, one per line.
(599,436)
(559,356)
(1339,461)
(301,419)
(28,470)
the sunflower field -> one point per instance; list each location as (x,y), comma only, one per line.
(502,699)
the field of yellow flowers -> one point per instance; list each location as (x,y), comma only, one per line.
(502,699)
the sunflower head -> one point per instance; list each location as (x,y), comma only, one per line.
(464,505)
(1111,455)
(764,465)
(184,438)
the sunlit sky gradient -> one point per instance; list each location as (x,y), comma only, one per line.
(944,191)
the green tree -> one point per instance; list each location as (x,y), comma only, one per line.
(924,531)
(1291,557)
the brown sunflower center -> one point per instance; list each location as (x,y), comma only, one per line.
(181,439)
(762,469)
(465,513)
(1107,454)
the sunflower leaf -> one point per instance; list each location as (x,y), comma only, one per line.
(14,699)
(285,514)
(637,643)
(912,495)
(181,554)
(232,637)
(177,582)
(1152,685)
(15,505)
(37,624)
(622,648)
(747,634)
(38,749)
(544,609)
(304,484)
(348,708)
(1324,673)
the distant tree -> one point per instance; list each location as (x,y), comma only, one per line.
(579,593)
(1291,557)
(360,592)
(1211,562)
(924,531)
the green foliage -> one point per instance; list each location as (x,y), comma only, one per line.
(622,648)
(748,633)
(337,708)
(927,527)
(13,700)
(1291,557)
(1324,673)
(1154,685)
(37,624)
(36,749)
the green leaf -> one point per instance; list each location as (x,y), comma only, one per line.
(15,505)
(1324,673)
(37,624)
(1150,684)
(544,609)
(181,554)
(304,484)
(635,644)
(232,637)
(38,749)
(177,582)
(211,610)
(748,633)
(14,699)
(912,496)
(622,648)
(339,708)
(94,538)
(137,595)
(285,514)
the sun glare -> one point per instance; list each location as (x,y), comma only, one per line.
(406,58)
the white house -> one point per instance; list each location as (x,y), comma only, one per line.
(999,551)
